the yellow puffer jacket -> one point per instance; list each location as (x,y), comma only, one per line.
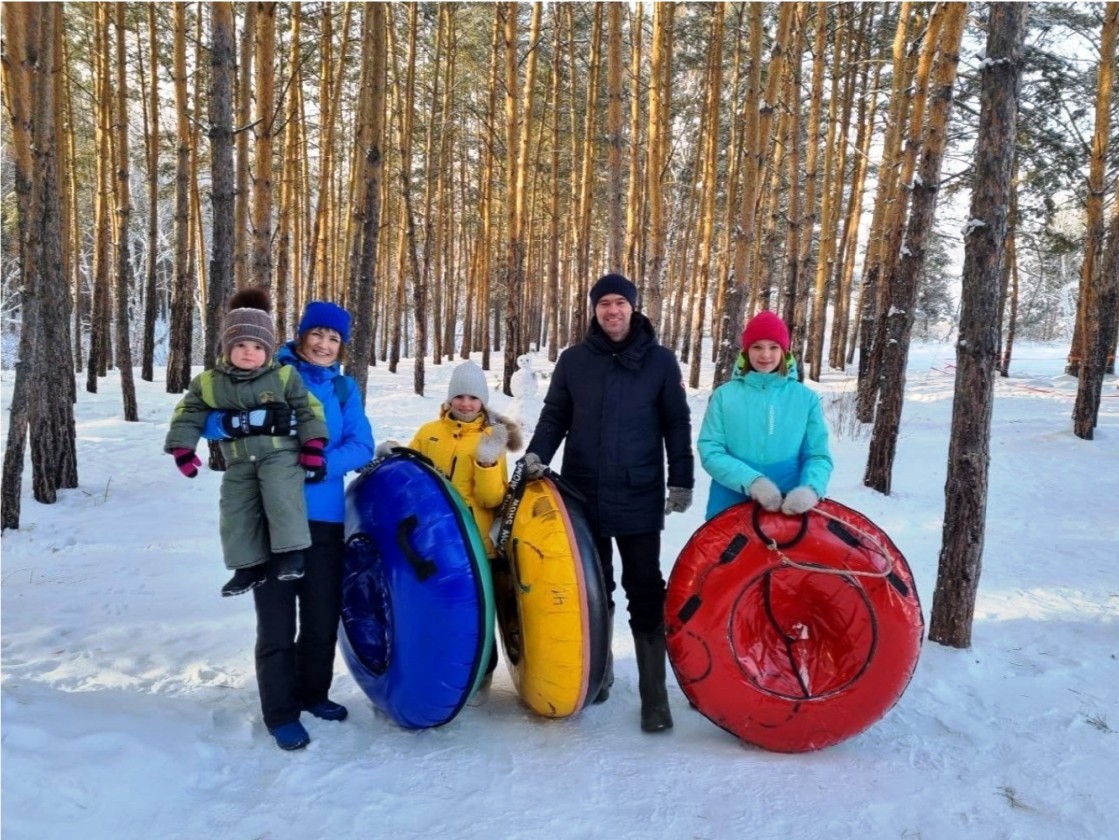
(452,444)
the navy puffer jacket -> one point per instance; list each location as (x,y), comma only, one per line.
(622,408)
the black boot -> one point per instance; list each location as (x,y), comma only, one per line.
(608,679)
(649,647)
(288,565)
(244,579)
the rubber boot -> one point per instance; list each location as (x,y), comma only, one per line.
(649,648)
(608,678)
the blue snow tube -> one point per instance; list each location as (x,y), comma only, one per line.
(417,595)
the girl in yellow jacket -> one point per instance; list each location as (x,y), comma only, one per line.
(468,444)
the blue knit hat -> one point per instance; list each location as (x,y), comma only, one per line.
(614,284)
(322,313)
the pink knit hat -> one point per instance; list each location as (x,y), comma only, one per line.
(766,326)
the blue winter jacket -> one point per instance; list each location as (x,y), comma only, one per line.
(763,424)
(350,446)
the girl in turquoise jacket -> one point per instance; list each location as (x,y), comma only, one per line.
(764,436)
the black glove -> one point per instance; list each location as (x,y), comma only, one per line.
(273,420)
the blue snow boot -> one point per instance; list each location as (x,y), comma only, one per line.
(291,736)
(327,710)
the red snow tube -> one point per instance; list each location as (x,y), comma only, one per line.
(792,632)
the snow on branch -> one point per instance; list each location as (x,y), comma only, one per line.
(972,226)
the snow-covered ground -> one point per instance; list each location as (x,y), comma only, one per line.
(130,707)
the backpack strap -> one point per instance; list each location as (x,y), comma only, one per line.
(343,387)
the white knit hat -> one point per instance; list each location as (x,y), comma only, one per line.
(469,379)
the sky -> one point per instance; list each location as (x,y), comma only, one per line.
(129,704)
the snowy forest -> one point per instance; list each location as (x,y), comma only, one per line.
(457,173)
(925,192)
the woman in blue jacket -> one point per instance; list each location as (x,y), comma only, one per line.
(764,436)
(297,621)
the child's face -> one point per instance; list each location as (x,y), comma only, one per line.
(247,354)
(465,405)
(765,356)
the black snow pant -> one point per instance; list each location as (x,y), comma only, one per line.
(295,653)
(642,580)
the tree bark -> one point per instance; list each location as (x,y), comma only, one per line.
(182,296)
(902,296)
(965,490)
(125,279)
(1095,286)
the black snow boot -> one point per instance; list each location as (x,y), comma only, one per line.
(649,647)
(288,565)
(244,579)
(608,679)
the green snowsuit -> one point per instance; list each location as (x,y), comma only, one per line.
(263,506)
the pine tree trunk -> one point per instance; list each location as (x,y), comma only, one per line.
(102,213)
(712,142)
(151,140)
(242,194)
(743,291)
(965,489)
(363,285)
(260,268)
(124,216)
(1096,290)
(902,298)
(182,297)
(659,102)
(885,197)
(514,198)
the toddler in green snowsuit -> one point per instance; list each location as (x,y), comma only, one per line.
(263,506)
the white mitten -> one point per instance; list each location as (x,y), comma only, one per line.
(800,500)
(765,493)
(385,448)
(492,445)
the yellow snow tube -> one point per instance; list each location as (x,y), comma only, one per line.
(551,599)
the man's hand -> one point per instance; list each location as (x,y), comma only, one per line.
(679,500)
(534,468)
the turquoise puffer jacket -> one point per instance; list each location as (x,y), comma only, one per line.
(763,424)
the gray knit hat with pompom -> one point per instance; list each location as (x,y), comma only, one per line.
(248,318)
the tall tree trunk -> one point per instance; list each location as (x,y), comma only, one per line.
(363,284)
(552,303)
(903,292)
(42,398)
(260,268)
(151,137)
(884,197)
(244,123)
(660,96)
(1094,344)
(710,167)
(633,244)
(830,197)
(743,288)
(965,489)
(614,140)
(586,181)
(20,23)
(182,296)
(124,216)
(103,199)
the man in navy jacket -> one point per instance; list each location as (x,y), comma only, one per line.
(618,398)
